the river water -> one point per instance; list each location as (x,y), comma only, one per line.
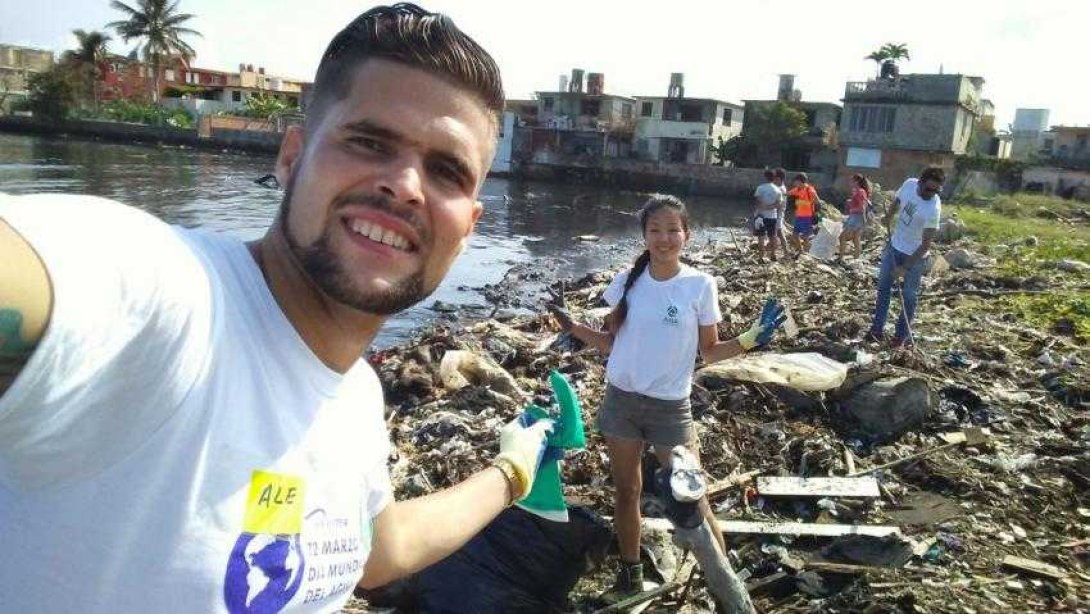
(524,223)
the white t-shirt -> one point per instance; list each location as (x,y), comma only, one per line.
(916,215)
(655,350)
(172,445)
(769,199)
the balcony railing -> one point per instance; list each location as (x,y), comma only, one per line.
(881,88)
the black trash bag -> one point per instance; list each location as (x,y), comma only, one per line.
(518,563)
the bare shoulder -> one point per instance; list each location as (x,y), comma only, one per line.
(26,300)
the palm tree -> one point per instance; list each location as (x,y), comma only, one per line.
(87,59)
(878,57)
(896,51)
(159,23)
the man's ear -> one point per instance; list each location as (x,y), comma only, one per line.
(478,209)
(291,153)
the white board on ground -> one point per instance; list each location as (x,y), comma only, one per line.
(805,528)
(774,486)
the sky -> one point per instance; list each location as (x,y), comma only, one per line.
(1027,51)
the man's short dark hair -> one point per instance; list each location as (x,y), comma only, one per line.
(933,173)
(779,172)
(802,177)
(410,35)
(769,175)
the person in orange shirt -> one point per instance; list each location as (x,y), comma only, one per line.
(806,204)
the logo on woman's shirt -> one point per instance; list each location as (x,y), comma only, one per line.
(671,315)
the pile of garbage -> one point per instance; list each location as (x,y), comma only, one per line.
(848,477)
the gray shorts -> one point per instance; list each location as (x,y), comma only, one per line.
(630,415)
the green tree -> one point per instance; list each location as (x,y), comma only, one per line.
(877,57)
(265,106)
(159,24)
(87,60)
(896,51)
(52,93)
(769,131)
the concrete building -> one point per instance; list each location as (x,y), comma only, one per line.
(1067,144)
(892,128)
(572,124)
(1029,128)
(200,90)
(816,151)
(987,140)
(501,162)
(682,130)
(16,65)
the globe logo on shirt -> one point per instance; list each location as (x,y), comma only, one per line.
(263,573)
(671,315)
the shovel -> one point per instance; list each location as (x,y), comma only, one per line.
(973,436)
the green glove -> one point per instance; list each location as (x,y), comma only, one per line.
(523,446)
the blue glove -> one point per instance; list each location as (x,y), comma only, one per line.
(772,317)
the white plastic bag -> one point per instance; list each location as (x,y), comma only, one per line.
(805,371)
(824,246)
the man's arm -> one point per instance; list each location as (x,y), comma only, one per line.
(894,207)
(410,535)
(928,237)
(26,300)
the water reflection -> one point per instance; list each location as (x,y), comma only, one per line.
(522,222)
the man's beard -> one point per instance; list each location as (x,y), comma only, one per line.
(326,271)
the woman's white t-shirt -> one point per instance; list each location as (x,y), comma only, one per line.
(654,352)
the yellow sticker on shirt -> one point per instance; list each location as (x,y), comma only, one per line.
(275,504)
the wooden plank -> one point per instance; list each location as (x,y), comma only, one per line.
(1036,568)
(805,528)
(774,486)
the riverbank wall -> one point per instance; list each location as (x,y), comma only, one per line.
(257,141)
(688,179)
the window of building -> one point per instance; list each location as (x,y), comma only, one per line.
(728,115)
(236,96)
(592,107)
(548,102)
(168,74)
(647,109)
(626,111)
(872,119)
(691,113)
(862,157)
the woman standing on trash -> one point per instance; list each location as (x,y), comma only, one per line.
(857,215)
(663,313)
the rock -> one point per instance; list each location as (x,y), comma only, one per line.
(1073,266)
(888,408)
(937,266)
(1030,241)
(444,307)
(960,259)
(951,229)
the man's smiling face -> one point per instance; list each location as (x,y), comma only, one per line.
(383,193)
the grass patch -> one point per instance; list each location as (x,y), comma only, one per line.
(1011,219)
(1045,310)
